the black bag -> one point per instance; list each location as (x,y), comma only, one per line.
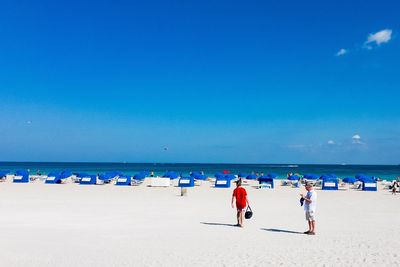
(249,213)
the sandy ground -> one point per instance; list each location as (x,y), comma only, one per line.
(77,225)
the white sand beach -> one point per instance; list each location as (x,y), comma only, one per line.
(107,225)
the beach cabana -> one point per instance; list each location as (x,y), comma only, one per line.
(330,182)
(186,181)
(171,175)
(124,180)
(349,180)
(107,177)
(87,179)
(3,175)
(266,181)
(310,176)
(198,176)
(141,175)
(53,178)
(21,176)
(223,181)
(369,184)
(251,177)
(243,175)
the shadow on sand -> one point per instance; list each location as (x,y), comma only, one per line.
(282,231)
(219,224)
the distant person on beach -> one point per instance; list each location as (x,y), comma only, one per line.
(151,174)
(240,195)
(395,185)
(38,173)
(289,174)
(310,205)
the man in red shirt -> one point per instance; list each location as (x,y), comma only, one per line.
(240,195)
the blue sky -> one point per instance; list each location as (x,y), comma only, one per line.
(200,81)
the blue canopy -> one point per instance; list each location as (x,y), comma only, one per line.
(230,176)
(171,175)
(124,180)
(22,176)
(106,177)
(251,176)
(293,178)
(328,176)
(310,176)
(141,175)
(65,174)
(199,177)
(82,174)
(219,175)
(4,173)
(350,180)
(53,178)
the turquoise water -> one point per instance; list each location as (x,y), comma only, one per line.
(387,172)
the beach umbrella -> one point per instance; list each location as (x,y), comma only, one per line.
(4,173)
(140,176)
(310,176)
(219,175)
(230,176)
(171,175)
(243,175)
(350,180)
(251,177)
(293,178)
(272,175)
(65,174)
(200,177)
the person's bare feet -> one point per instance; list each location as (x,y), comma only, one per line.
(311,233)
(307,232)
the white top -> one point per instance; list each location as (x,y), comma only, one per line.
(312,195)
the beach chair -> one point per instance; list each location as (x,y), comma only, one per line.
(21,176)
(186,182)
(266,182)
(223,181)
(108,177)
(330,184)
(53,178)
(369,185)
(88,179)
(124,180)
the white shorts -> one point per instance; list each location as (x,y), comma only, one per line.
(310,215)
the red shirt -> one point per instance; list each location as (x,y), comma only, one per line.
(240,194)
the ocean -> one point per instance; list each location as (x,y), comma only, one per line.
(386,172)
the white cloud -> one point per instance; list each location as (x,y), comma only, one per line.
(380,37)
(331,142)
(342,52)
(357,139)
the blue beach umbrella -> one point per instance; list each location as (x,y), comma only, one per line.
(293,178)
(230,176)
(243,175)
(251,177)
(4,173)
(350,180)
(171,175)
(219,175)
(310,176)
